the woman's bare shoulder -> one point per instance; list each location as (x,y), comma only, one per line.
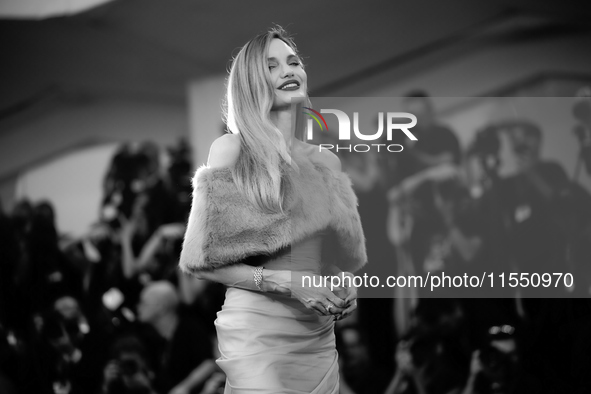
(224,151)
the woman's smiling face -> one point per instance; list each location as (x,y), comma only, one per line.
(288,77)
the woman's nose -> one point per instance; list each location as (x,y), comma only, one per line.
(287,72)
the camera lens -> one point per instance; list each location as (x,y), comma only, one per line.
(129,367)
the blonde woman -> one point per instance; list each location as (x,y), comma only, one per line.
(269,211)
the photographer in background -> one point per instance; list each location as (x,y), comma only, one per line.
(486,210)
(432,357)
(135,174)
(547,210)
(128,371)
(180,346)
(436,144)
(9,362)
(67,354)
(178,179)
(496,366)
(582,130)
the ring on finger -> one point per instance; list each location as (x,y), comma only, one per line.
(329,307)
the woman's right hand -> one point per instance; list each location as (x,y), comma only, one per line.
(298,285)
(319,299)
(346,291)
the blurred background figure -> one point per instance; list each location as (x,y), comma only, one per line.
(375,318)
(128,370)
(180,345)
(436,144)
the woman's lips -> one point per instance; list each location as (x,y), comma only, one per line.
(289,86)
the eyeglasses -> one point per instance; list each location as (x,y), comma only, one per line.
(505,329)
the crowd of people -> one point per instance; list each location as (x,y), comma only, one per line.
(111,313)
(439,208)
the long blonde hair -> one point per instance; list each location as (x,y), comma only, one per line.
(264,157)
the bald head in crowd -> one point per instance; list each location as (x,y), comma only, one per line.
(158,300)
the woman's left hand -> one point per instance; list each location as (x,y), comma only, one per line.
(348,294)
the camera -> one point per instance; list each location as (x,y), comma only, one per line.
(127,381)
(128,371)
(486,142)
(129,366)
(493,359)
(500,360)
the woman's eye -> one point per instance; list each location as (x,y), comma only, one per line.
(272,66)
(295,63)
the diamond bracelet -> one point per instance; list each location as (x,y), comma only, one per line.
(258,277)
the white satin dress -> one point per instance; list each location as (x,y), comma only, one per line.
(273,344)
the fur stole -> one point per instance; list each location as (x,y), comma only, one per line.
(225,228)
